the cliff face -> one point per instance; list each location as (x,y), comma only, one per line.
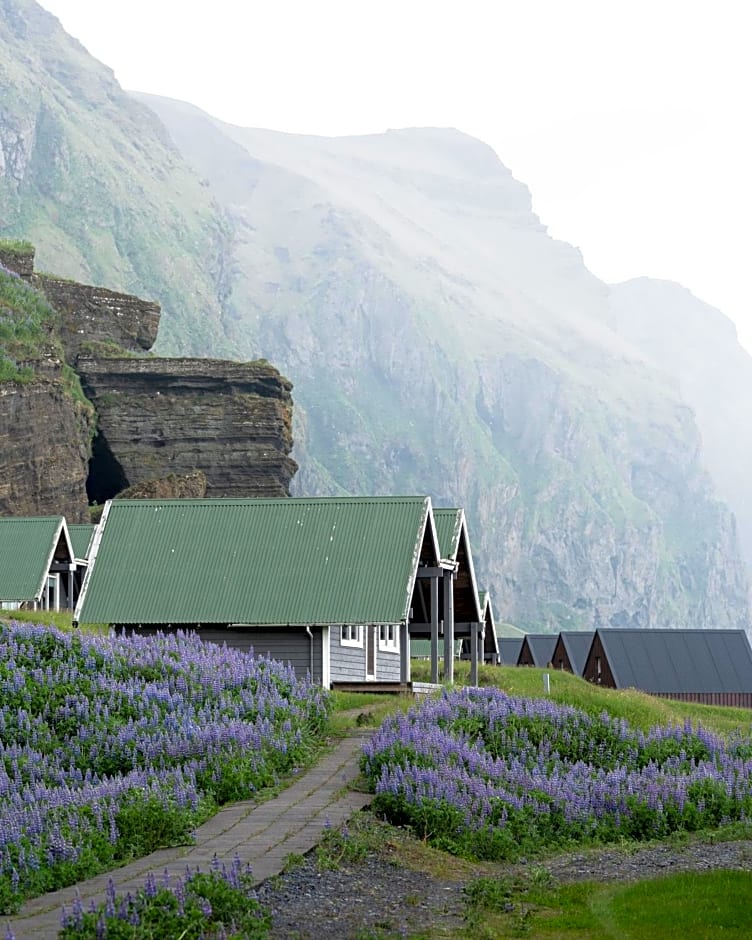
(45,437)
(158,416)
(93,317)
(156,424)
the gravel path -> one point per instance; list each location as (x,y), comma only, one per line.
(378,898)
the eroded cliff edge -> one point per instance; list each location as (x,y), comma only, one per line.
(95,414)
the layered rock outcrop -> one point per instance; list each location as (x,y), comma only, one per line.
(230,420)
(163,426)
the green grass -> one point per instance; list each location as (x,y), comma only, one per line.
(17,246)
(685,906)
(638,708)
(63,620)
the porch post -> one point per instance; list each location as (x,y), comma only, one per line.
(448,627)
(434,628)
(404,652)
(474,654)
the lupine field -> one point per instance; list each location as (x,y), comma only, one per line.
(111,747)
(484,775)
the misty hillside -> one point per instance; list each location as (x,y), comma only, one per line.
(697,345)
(438,339)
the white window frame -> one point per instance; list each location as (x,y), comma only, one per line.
(389,637)
(351,634)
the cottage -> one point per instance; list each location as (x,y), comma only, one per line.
(709,666)
(37,564)
(331,585)
(537,649)
(571,649)
(455,612)
(509,650)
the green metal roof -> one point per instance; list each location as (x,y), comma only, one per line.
(26,550)
(448,530)
(80,536)
(256,561)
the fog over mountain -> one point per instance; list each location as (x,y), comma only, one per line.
(438,339)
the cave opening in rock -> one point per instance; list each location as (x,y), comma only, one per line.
(106,477)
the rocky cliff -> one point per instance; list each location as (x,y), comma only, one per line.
(146,422)
(45,438)
(156,416)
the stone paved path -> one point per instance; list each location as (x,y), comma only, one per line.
(263,835)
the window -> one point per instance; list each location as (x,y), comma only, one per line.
(389,637)
(351,635)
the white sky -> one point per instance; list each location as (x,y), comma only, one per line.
(628,119)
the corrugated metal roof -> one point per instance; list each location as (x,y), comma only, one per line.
(541,647)
(81,536)
(577,644)
(509,650)
(26,550)
(448,531)
(256,561)
(679,660)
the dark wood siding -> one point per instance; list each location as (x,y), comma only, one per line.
(597,668)
(728,699)
(560,658)
(526,657)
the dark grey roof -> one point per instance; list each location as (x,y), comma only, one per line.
(541,647)
(679,660)
(509,649)
(577,644)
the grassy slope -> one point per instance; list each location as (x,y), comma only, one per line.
(638,708)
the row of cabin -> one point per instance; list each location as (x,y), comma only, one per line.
(338,587)
(709,666)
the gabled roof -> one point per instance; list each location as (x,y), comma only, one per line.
(541,646)
(27,549)
(256,561)
(577,645)
(454,545)
(449,523)
(81,537)
(679,660)
(509,649)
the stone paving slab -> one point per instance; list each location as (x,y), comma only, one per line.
(263,835)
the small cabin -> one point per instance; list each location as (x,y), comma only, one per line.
(713,667)
(537,649)
(571,650)
(37,564)
(334,586)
